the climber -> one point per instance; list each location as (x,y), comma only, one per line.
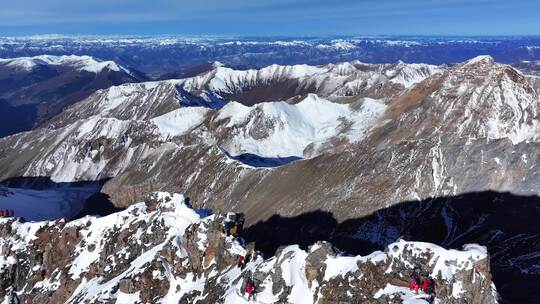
(240,219)
(233,230)
(428,286)
(250,289)
(2,213)
(227,227)
(227,223)
(415,279)
(233,224)
(241,262)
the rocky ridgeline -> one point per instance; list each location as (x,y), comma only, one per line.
(161,251)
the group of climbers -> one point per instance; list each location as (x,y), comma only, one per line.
(232,225)
(250,285)
(7,213)
(420,281)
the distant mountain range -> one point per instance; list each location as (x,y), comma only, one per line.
(157,56)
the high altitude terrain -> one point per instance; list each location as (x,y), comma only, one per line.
(161,251)
(350,140)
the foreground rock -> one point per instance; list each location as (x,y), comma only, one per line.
(161,251)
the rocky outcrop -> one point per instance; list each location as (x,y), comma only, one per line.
(162,251)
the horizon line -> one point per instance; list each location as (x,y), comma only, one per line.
(231,36)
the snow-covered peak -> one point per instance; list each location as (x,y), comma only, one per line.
(343,45)
(477,99)
(280,129)
(344,68)
(338,44)
(485,59)
(409,74)
(217,64)
(81,63)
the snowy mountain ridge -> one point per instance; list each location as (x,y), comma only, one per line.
(274,83)
(273,129)
(82,63)
(287,130)
(324,78)
(476,99)
(161,251)
(106,133)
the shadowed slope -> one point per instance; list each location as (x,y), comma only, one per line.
(507,224)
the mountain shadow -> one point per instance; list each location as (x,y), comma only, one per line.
(257,161)
(507,224)
(95,202)
(212,101)
(16,119)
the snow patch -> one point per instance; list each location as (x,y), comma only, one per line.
(180,121)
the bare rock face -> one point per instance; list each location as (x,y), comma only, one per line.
(162,251)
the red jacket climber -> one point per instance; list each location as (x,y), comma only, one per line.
(241,262)
(250,289)
(6,213)
(414,286)
(427,286)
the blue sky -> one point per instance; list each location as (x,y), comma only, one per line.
(271,17)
